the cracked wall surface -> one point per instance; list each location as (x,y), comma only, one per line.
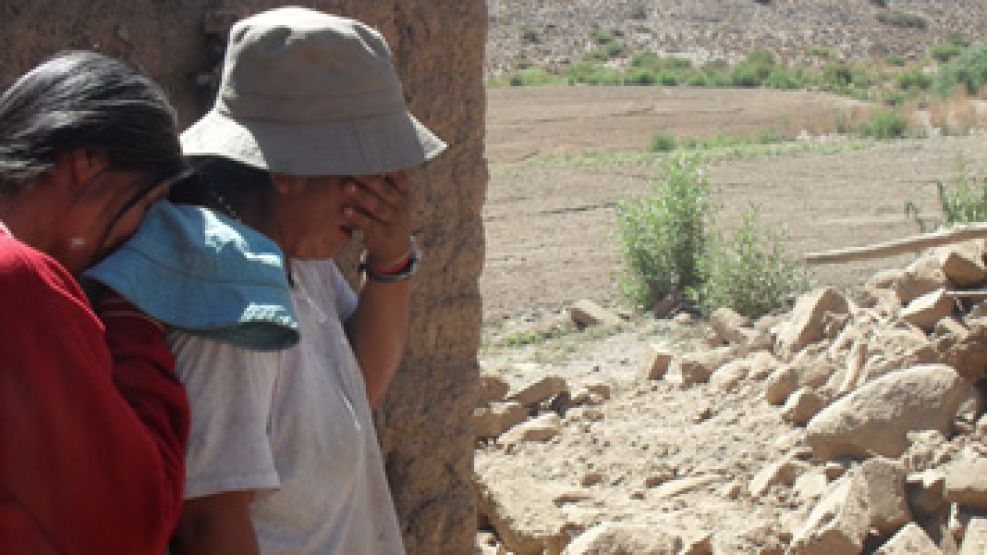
(438,46)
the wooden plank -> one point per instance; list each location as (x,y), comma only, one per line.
(914,243)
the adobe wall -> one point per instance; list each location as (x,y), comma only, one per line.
(439,46)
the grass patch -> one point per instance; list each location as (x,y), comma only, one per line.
(534,77)
(884,125)
(663,142)
(904,20)
(968,70)
(962,200)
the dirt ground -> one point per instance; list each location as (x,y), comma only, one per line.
(549,223)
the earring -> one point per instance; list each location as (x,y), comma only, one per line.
(76,243)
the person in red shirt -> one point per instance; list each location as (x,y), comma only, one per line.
(92,420)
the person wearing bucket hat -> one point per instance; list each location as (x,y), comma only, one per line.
(92,418)
(307,143)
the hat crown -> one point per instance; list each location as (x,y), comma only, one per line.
(294,65)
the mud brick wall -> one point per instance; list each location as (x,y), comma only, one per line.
(438,44)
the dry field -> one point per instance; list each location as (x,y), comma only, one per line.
(549,214)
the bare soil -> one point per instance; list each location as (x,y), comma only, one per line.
(549,222)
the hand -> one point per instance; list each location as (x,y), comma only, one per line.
(379,207)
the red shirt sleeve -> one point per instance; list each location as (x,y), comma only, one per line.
(93,422)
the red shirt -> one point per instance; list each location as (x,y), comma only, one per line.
(93,422)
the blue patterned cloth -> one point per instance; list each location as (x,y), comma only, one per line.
(204,273)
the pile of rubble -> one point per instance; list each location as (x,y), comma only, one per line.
(884,450)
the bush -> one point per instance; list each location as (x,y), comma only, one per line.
(969,70)
(649,60)
(606,52)
(663,142)
(662,234)
(530,35)
(669,78)
(782,78)
(837,76)
(768,136)
(750,272)
(945,52)
(641,76)
(746,75)
(895,60)
(760,58)
(895,98)
(884,125)
(697,80)
(823,52)
(957,38)
(914,79)
(532,77)
(593,74)
(902,19)
(964,200)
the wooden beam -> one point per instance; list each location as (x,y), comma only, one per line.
(900,246)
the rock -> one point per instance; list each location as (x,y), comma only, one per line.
(833,470)
(927,491)
(802,405)
(782,382)
(489,422)
(696,543)
(763,363)
(811,485)
(925,311)
(613,538)
(910,540)
(838,523)
(522,513)
(491,388)
(655,362)
(884,279)
(567,496)
(807,319)
(726,377)
(966,484)
(591,479)
(886,499)
(927,449)
(950,326)
(854,374)
(892,349)
(963,268)
(673,488)
(684,318)
(729,325)
(966,350)
(875,418)
(778,473)
(696,368)
(975,538)
(540,390)
(588,313)
(543,428)
(923,276)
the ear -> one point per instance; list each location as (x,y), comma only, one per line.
(86,164)
(287,185)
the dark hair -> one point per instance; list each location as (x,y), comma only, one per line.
(85,100)
(237,184)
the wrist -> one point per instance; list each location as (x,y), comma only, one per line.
(397,269)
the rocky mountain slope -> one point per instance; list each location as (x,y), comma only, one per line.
(558,31)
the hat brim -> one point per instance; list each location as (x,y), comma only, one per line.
(361,146)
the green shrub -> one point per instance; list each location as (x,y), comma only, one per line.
(768,136)
(895,98)
(676,64)
(749,272)
(945,52)
(884,125)
(837,76)
(641,76)
(895,60)
(605,52)
(533,77)
(964,200)
(603,37)
(530,35)
(662,234)
(957,38)
(669,78)
(719,79)
(902,19)
(783,78)
(593,74)
(746,75)
(822,52)
(914,79)
(649,60)
(760,58)
(969,70)
(663,142)
(697,80)
(718,65)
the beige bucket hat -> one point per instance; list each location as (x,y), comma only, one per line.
(307,93)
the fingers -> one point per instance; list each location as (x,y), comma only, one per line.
(383,198)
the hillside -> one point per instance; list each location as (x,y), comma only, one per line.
(554,32)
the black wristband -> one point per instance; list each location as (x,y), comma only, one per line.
(405,272)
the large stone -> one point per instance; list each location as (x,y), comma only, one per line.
(696,368)
(807,320)
(613,538)
(543,428)
(975,539)
(910,540)
(926,311)
(891,349)
(522,512)
(726,377)
(875,418)
(763,363)
(802,405)
(542,389)
(491,421)
(966,351)
(654,362)
(887,502)
(922,276)
(491,388)
(588,313)
(966,484)
(927,491)
(963,267)
(730,326)
(839,521)
(782,382)
(780,473)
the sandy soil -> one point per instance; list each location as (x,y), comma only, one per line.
(549,225)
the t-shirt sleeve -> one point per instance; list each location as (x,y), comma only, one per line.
(230,393)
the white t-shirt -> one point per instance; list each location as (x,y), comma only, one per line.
(294,426)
